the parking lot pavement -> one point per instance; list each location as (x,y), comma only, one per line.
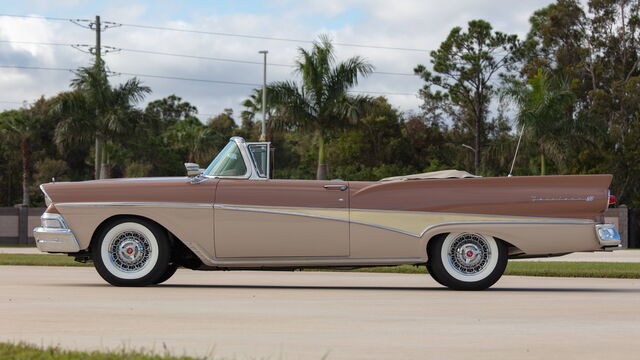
(20,250)
(307,315)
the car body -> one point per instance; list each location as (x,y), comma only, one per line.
(233,216)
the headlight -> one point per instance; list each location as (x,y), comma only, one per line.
(52,221)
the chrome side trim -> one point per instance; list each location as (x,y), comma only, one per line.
(143,204)
(418,235)
(550,222)
(269,211)
(385,228)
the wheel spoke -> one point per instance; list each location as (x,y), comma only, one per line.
(469,254)
(129,251)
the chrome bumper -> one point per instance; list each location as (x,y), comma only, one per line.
(607,235)
(55,240)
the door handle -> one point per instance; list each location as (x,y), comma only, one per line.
(336,187)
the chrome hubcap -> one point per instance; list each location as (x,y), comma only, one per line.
(129,251)
(469,254)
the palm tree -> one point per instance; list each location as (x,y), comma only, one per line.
(190,137)
(252,105)
(21,126)
(321,102)
(97,112)
(544,113)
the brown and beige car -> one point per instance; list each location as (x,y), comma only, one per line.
(233,216)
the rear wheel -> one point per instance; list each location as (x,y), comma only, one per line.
(131,252)
(467,261)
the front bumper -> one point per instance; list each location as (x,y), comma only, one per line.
(607,235)
(55,240)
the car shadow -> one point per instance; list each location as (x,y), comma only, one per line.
(371,288)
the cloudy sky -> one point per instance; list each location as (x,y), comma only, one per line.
(419,25)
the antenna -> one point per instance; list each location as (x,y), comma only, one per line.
(516,154)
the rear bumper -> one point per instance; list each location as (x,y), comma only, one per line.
(55,240)
(607,235)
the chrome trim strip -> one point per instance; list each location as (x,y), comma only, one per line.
(550,222)
(261,210)
(385,228)
(145,204)
(418,235)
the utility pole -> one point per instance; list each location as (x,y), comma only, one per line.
(98,64)
(101,169)
(263,136)
(98,30)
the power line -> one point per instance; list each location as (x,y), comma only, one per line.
(38,17)
(117,73)
(35,43)
(383,93)
(202,57)
(198,57)
(217,33)
(264,37)
(35,68)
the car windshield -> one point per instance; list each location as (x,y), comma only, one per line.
(229,162)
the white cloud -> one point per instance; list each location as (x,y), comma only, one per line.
(412,24)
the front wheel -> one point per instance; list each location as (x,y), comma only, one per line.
(131,252)
(467,261)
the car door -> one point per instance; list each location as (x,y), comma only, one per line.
(281,218)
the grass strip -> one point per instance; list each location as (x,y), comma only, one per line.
(39,260)
(523,268)
(23,351)
(617,270)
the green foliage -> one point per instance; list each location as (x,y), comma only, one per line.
(545,106)
(464,67)
(573,82)
(321,103)
(24,351)
(138,169)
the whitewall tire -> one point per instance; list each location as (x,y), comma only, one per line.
(467,261)
(131,252)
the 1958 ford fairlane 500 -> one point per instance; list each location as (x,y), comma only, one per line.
(232,215)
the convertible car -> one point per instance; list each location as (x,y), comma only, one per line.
(233,216)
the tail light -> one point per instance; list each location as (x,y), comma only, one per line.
(612,199)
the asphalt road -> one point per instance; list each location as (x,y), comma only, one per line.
(307,315)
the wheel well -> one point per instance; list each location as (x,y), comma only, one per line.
(180,253)
(512,249)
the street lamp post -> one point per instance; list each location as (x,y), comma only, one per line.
(263,136)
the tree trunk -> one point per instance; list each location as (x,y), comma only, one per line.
(321,174)
(9,181)
(105,172)
(476,153)
(543,169)
(98,160)
(24,149)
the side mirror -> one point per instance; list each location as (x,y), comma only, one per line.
(193,169)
